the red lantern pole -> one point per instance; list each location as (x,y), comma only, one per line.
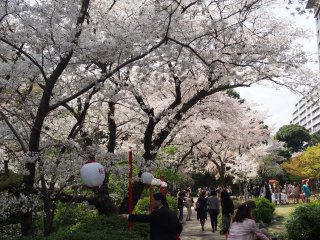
(150,192)
(130,186)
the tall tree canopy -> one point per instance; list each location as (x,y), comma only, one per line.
(218,132)
(306,164)
(294,136)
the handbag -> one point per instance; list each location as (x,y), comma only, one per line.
(196,208)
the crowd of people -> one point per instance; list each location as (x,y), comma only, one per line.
(208,202)
(165,224)
(242,226)
(211,202)
(286,193)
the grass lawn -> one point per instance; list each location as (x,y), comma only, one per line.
(281,213)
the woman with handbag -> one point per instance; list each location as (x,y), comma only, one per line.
(201,208)
(227,212)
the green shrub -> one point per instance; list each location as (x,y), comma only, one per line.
(99,227)
(281,236)
(303,223)
(14,180)
(264,210)
(143,205)
(72,213)
(8,231)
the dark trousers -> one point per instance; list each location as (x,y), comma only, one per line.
(214,218)
(180,212)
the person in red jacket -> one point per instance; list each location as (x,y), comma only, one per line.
(164,223)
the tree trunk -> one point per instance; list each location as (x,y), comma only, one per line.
(48,217)
(223,180)
(246,194)
(240,189)
(26,224)
(26,218)
(112,126)
(47,204)
(104,205)
(221,171)
(42,112)
(6,167)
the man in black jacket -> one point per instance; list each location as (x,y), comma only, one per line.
(164,224)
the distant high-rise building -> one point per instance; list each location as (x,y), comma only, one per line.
(315,4)
(307,110)
(307,113)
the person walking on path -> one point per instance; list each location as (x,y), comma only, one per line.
(213,209)
(180,205)
(164,224)
(227,211)
(188,203)
(244,227)
(201,208)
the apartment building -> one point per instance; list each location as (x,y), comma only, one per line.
(315,4)
(307,110)
(307,113)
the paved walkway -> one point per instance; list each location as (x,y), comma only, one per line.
(192,229)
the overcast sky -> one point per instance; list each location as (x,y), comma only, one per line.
(279,104)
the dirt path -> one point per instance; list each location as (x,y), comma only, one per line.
(192,229)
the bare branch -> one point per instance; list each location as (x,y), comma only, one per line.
(14,131)
(108,75)
(27,55)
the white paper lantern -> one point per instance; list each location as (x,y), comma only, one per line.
(146,178)
(156,182)
(92,174)
(164,184)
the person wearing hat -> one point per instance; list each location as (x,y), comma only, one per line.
(164,224)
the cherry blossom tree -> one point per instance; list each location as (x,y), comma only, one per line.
(53,55)
(259,163)
(222,130)
(203,62)
(245,168)
(146,64)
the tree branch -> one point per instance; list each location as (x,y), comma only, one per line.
(177,84)
(15,133)
(27,56)
(105,77)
